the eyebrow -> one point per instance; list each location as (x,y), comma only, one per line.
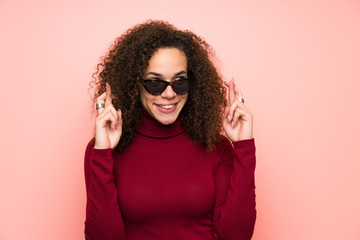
(158,74)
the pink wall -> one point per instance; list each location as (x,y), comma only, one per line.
(297,62)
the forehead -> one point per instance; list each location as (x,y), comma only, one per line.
(167,60)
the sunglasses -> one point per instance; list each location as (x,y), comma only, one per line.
(155,86)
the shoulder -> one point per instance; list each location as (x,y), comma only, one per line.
(224,149)
(224,152)
(224,145)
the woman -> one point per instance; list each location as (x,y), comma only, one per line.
(159,166)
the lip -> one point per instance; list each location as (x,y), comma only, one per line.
(163,110)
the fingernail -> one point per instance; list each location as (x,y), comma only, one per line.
(232,124)
(228,119)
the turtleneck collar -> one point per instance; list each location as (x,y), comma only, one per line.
(150,127)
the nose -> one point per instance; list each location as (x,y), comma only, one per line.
(168,93)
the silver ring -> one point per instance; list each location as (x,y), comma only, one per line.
(99,105)
(241,100)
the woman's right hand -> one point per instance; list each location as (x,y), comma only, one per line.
(108,123)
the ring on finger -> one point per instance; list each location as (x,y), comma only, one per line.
(241,100)
(99,105)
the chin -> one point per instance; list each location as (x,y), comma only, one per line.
(166,120)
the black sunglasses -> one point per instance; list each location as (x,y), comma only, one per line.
(155,86)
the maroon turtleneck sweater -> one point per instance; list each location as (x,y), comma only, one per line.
(166,186)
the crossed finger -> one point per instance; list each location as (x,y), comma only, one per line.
(108,98)
(235,101)
(105,99)
(109,116)
(106,111)
(231,91)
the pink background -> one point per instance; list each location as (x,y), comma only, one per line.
(297,62)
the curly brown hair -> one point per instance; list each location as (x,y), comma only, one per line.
(125,63)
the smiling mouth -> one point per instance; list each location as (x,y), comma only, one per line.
(166,106)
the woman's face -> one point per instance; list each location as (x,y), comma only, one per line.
(165,64)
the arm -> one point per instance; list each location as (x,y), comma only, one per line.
(103,216)
(234,212)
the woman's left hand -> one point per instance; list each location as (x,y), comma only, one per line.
(237,120)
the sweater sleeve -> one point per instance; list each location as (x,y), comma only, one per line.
(234,212)
(103,216)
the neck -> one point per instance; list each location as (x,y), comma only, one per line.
(150,127)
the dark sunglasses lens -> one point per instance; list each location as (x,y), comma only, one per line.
(155,87)
(181,86)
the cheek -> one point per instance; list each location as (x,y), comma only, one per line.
(185,98)
(146,98)
(143,95)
